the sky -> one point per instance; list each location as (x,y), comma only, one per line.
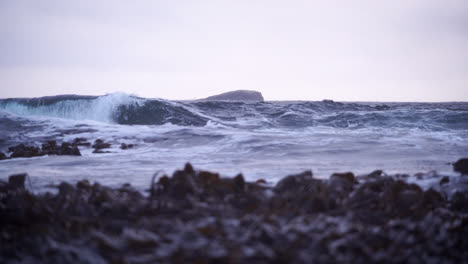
(360,50)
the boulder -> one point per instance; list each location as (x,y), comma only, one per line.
(51,148)
(340,185)
(444,180)
(16,182)
(3,156)
(100,144)
(81,142)
(459,201)
(22,151)
(461,166)
(295,182)
(300,193)
(238,183)
(126,146)
(69,149)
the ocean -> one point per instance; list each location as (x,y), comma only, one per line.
(262,140)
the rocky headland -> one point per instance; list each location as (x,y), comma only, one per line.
(238,95)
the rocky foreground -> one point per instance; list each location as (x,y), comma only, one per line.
(199,217)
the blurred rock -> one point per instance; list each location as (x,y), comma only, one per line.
(461,166)
(126,146)
(16,181)
(100,144)
(200,217)
(22,151)
(81,142)
(444,180)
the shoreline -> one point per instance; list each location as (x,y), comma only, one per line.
(199,216)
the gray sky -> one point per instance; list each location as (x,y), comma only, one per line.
(360,50)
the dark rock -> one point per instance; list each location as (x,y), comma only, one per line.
(301,193)
(126,146)
(98,151)
(461,166)
(189,168)
(340,185)
(100,144)
(3,187)
(81,142)
(294,182)
(16,181)
(68,149)
(181,185)
(65,189)
(375,174)
(382,198)
(50,148)
(84,184)
(444,180)
(433,199)
(199,217)
(459,201)
(3,156)
(348,176)
(239,183)
(22,151)
(16,148)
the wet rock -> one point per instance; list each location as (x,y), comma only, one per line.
(188,169)
(100,144)
(65,189)
(16,181)
(238,183)
(22,151)
(140,239)
(433,199)
(3,156)
(126,146)
(341,184)
(374,175)
(260,181)
(98,151)
(199,217)
(444,180)
(51,148)
(181,185)
(296,194)
(81,142)
(69,149)
(295,182)
(83,184)
(461,166)
(383,198)
(459,201)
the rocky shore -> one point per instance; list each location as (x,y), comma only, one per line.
(200,217)
(51,147)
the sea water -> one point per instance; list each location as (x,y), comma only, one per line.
(261,140)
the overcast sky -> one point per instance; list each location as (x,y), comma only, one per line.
(360,50)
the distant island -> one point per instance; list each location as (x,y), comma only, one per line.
(238,95)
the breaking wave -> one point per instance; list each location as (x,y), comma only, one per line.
(113,108)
